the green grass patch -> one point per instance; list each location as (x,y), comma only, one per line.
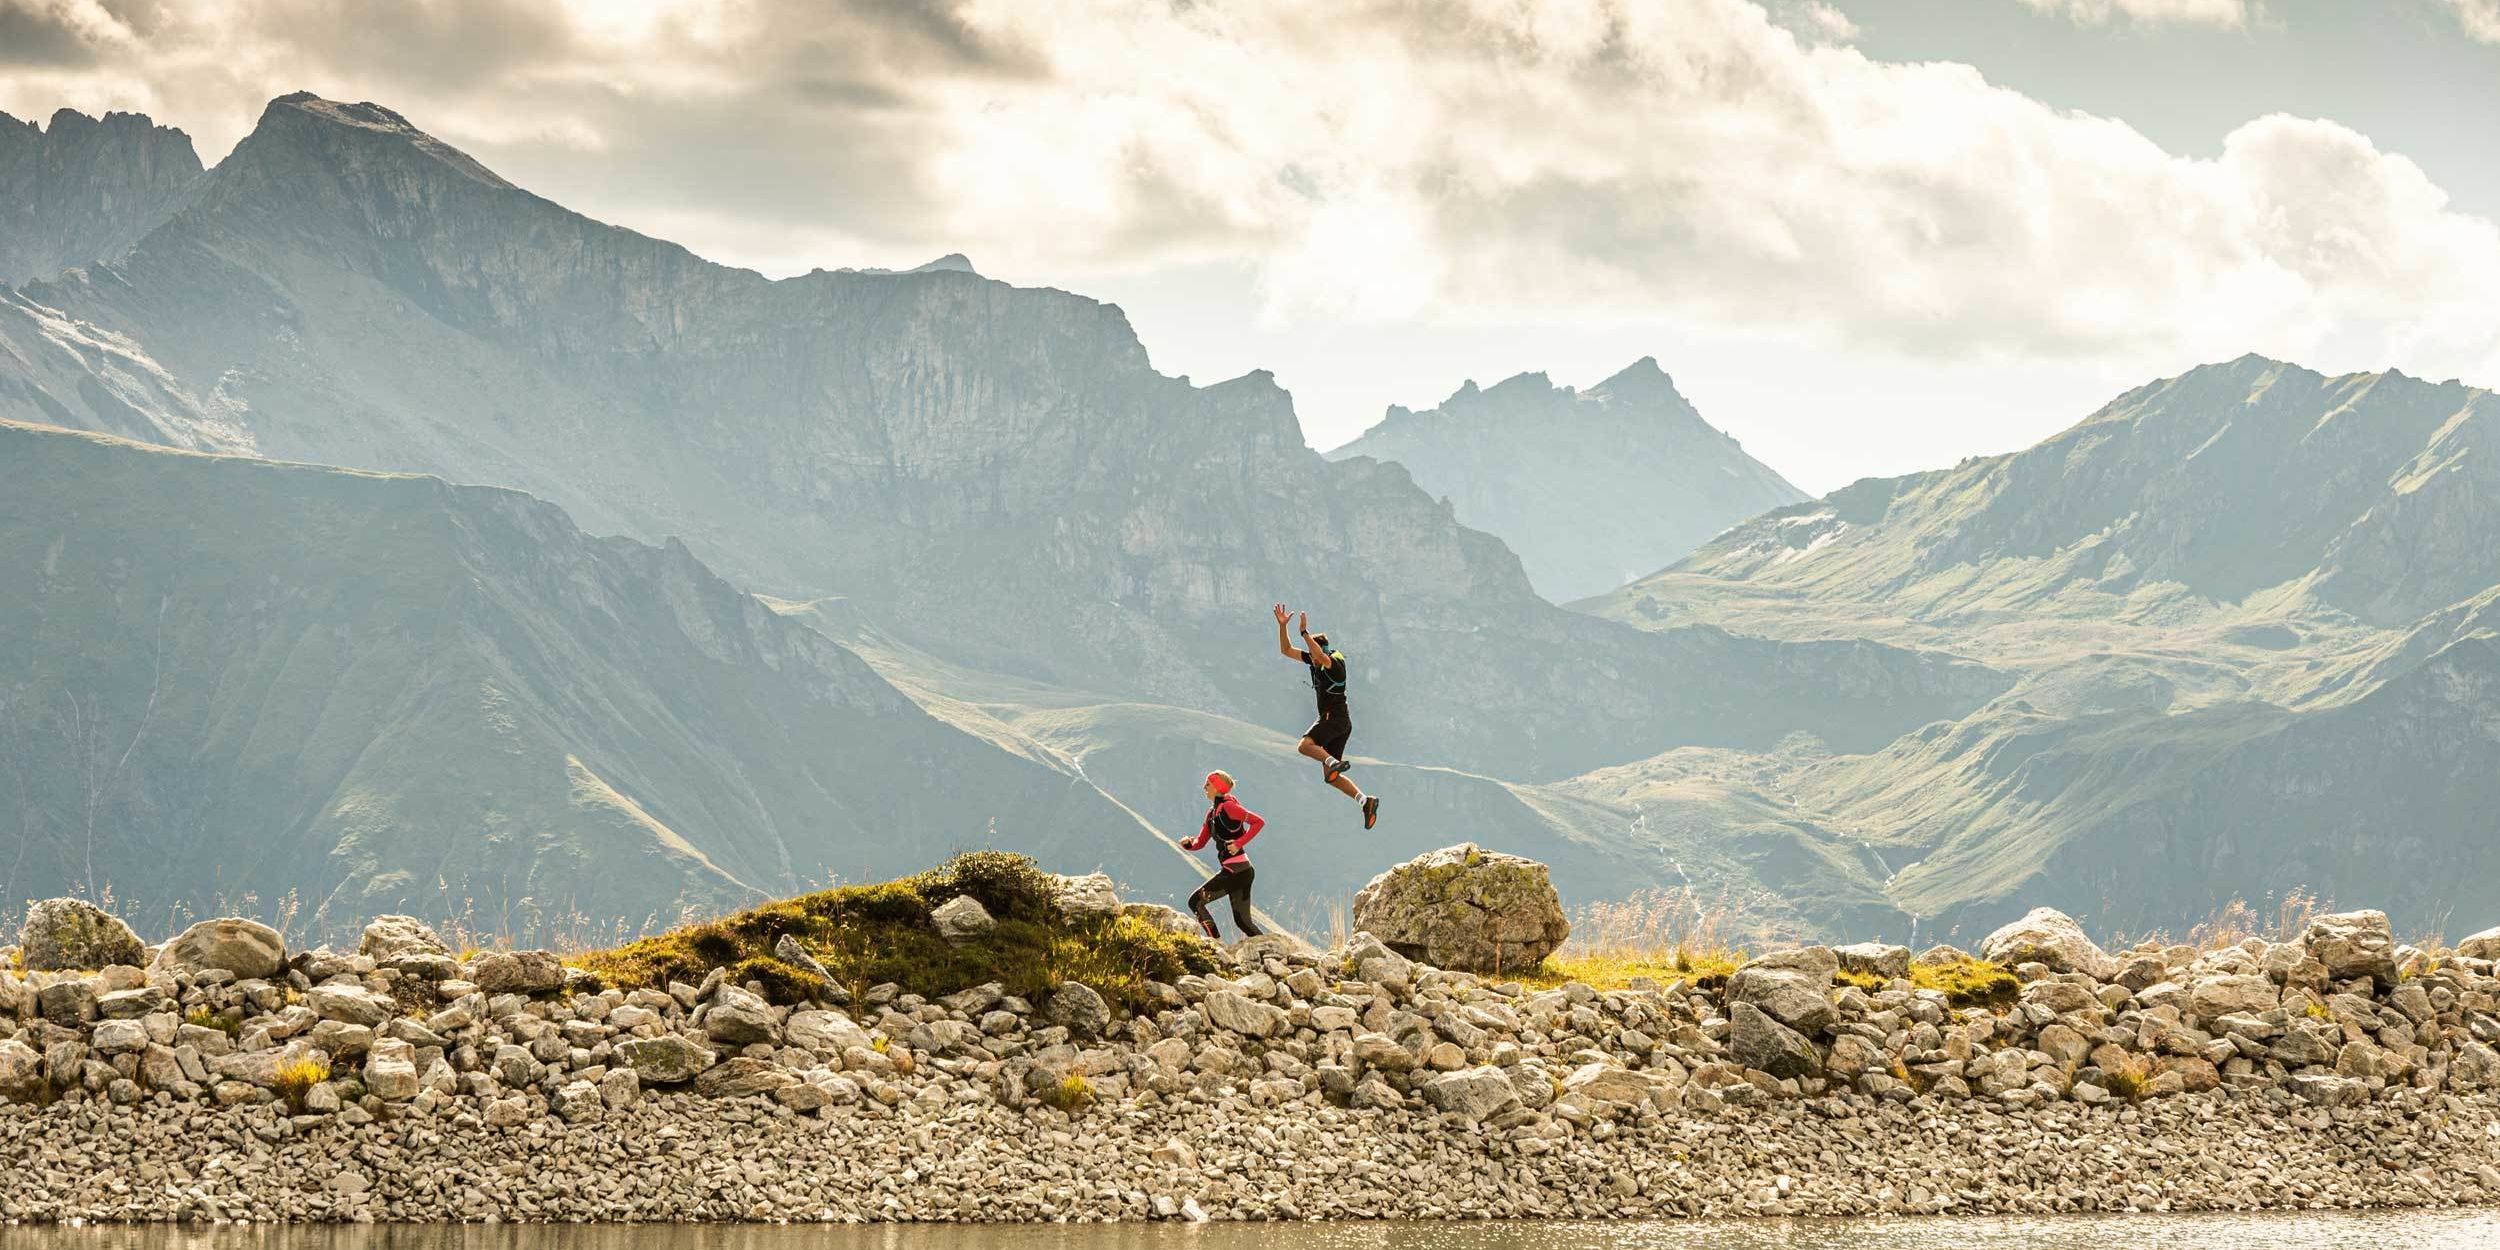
(1616,969)
(866,935)
(204,1018)
(2128,1080)
(1968,982)
(1867,981)
(1070,1095)
(296,1079)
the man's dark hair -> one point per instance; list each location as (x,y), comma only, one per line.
(1320,641)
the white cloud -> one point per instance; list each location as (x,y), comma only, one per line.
(1551,162)
(2480,18)
(2154,12)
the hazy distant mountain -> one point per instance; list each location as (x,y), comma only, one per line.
(226,677)
(2248,614)
(1592,488)
(84,190)
(993,473)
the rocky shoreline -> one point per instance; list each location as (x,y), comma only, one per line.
(223,1078)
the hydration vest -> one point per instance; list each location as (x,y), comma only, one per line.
(1225,831)
(1329,683)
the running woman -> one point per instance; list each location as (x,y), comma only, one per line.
(1230,826)
(1325,740)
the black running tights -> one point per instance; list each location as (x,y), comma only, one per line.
(1232,881)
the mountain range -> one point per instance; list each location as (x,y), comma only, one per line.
(2213,641)
(1592,488)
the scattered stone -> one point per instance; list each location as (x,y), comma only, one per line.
(669,1060)
(518,972)
(2354,944)
(393,937)
(1078,1009)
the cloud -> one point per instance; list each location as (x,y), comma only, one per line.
(1542,161)
(2480,18)
(55,33)
(2231,13)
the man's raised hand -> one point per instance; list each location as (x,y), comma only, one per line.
(1306,625)
(1281,614)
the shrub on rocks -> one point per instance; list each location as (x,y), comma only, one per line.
(62,934)
(867,935)
(1465,908)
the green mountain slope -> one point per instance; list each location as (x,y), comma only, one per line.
(2247,612)
(1592,488)
(227,677)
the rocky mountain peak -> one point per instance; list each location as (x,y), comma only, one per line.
(1592,488)
(1642,382)
(84,189)
(304,124)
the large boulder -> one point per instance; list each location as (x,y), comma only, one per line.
(395,937)
(246,948)
(2352,945)
(2483,945)
(2049,936)
(68,933)
(1466,908)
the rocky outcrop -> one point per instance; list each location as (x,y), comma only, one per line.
(65,933)
(1315,1070)
(1463,907)
(85,189)
(1348,1083)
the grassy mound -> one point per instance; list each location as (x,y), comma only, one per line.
(867,935)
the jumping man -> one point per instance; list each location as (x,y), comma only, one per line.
(1230,826)
(1325,740)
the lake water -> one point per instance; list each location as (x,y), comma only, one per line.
(2450,1230)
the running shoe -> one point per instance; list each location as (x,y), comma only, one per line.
(1371,811)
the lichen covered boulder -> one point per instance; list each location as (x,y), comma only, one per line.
(1466,908)
(62,934)
(2050,937)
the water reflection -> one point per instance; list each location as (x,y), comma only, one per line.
(2470,1230)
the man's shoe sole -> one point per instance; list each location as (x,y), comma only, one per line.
(1371,812)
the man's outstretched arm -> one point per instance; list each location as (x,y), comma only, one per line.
(1287,649)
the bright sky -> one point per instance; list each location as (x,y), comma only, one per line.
(1866,236)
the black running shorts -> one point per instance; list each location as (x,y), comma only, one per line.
(1331,731)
